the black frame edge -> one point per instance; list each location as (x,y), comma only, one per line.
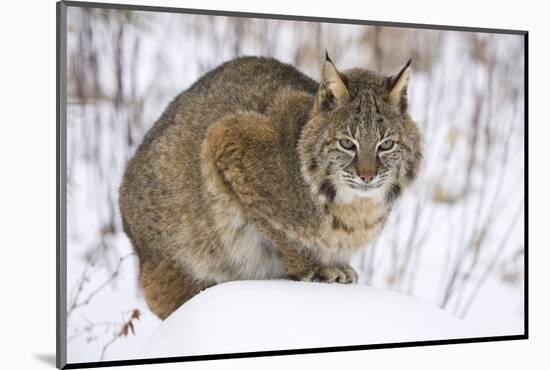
(526,187)
(151,8)
(61,185)
(222,356)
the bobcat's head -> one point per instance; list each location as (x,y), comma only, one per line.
(359,140)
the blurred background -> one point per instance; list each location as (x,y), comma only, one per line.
(455,240)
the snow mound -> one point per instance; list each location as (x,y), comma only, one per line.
(247,316)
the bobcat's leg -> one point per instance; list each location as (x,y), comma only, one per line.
(167,286)
(304,264)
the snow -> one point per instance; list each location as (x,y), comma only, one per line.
(248,316)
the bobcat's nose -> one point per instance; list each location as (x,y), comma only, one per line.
(367,176)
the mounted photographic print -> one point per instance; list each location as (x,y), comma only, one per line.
(237,185)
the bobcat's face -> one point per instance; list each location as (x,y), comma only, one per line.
(368,147)
(360,141)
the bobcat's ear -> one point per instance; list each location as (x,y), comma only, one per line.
(397,87)
(332,89)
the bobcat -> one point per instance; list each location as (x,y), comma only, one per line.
(259,172)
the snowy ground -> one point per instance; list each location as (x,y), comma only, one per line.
(455,241)
(248,316)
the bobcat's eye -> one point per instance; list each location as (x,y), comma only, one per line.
(386,145)
(347,144)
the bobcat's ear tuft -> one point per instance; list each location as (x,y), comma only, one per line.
(333,91)
(397,87)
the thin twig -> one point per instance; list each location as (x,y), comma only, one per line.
(494,260)
(102,286)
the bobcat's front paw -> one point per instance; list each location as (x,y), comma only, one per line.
(344,274)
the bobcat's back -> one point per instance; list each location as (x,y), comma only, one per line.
(243,84)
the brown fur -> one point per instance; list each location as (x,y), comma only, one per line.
(239,178)
(167,286)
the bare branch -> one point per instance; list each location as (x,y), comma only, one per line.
(79,303)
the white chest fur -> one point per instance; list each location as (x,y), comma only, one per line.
(251,253)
